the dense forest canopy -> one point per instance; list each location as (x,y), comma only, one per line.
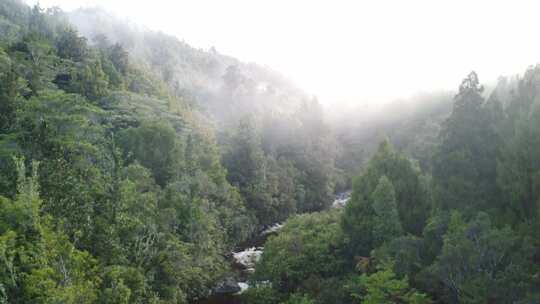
(132,164)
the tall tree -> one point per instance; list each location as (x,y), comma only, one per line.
(386,224)
(411,198)
(10,87)
(464,165)
(70,45)
(518,170)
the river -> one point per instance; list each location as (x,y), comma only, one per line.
(243,261)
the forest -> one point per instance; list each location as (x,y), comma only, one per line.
(132,164)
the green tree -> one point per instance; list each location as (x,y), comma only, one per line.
(263,294)
(119,57)
(299,299)
(11,85)
(476,261)
(518,168)
(314,156)
(307,249)
(384,287)
(38,23)
(464,167)
(42,266)
(91,81)
(386,224)
(36,62)
(69,45)
(257,176)
(411,198)
(155,146)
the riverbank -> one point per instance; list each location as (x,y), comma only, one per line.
(243,260)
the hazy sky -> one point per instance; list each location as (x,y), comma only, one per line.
(352,50)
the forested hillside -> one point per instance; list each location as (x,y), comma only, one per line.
(464,229)
(132,164)
(272,134)
(114,186)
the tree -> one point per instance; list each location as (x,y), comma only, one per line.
(477,261)
(119,57)
(299,299)
(314,155)
(263,294)
(57,129)
(383,287)
(48,268)
(36,62)
(69,45)
(153,145)
(518,165)
(91,81)
(135,216)
(386,224)
(308,248)
(38,23)
(257,176)
(411,199)
(116,80)
(464,166)
(11,86)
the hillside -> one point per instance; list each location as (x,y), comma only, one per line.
(222,85)
(135,168)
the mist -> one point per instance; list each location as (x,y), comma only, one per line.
(249,152)
(367,71)
(351,52)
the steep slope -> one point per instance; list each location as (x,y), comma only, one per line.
(221,85)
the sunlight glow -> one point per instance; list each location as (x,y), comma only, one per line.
(352,51)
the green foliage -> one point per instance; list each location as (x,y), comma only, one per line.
(128,196)
(91,81)
(35,62)
(314,155)
(474,259)
(263,294)
(518,167)
(411,199)
(65,274)
(119,57)
(154,145)
(115,78)
(264,182)
(383,287)
(306,250)
(11,87)
(122,284)
(464,165)
(114,221)
(41,264)
(386,225)
(299,299)
(70,45)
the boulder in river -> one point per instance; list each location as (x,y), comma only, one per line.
(272,229)
(247,258)
(227,286)
(341,200)
(243,287)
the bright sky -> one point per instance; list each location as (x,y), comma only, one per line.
(352,51)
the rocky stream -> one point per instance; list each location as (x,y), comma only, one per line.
(243,261)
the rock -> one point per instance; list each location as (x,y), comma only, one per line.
(247,258)
(272,229)
(227,286)
(243,287)
(341,200)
